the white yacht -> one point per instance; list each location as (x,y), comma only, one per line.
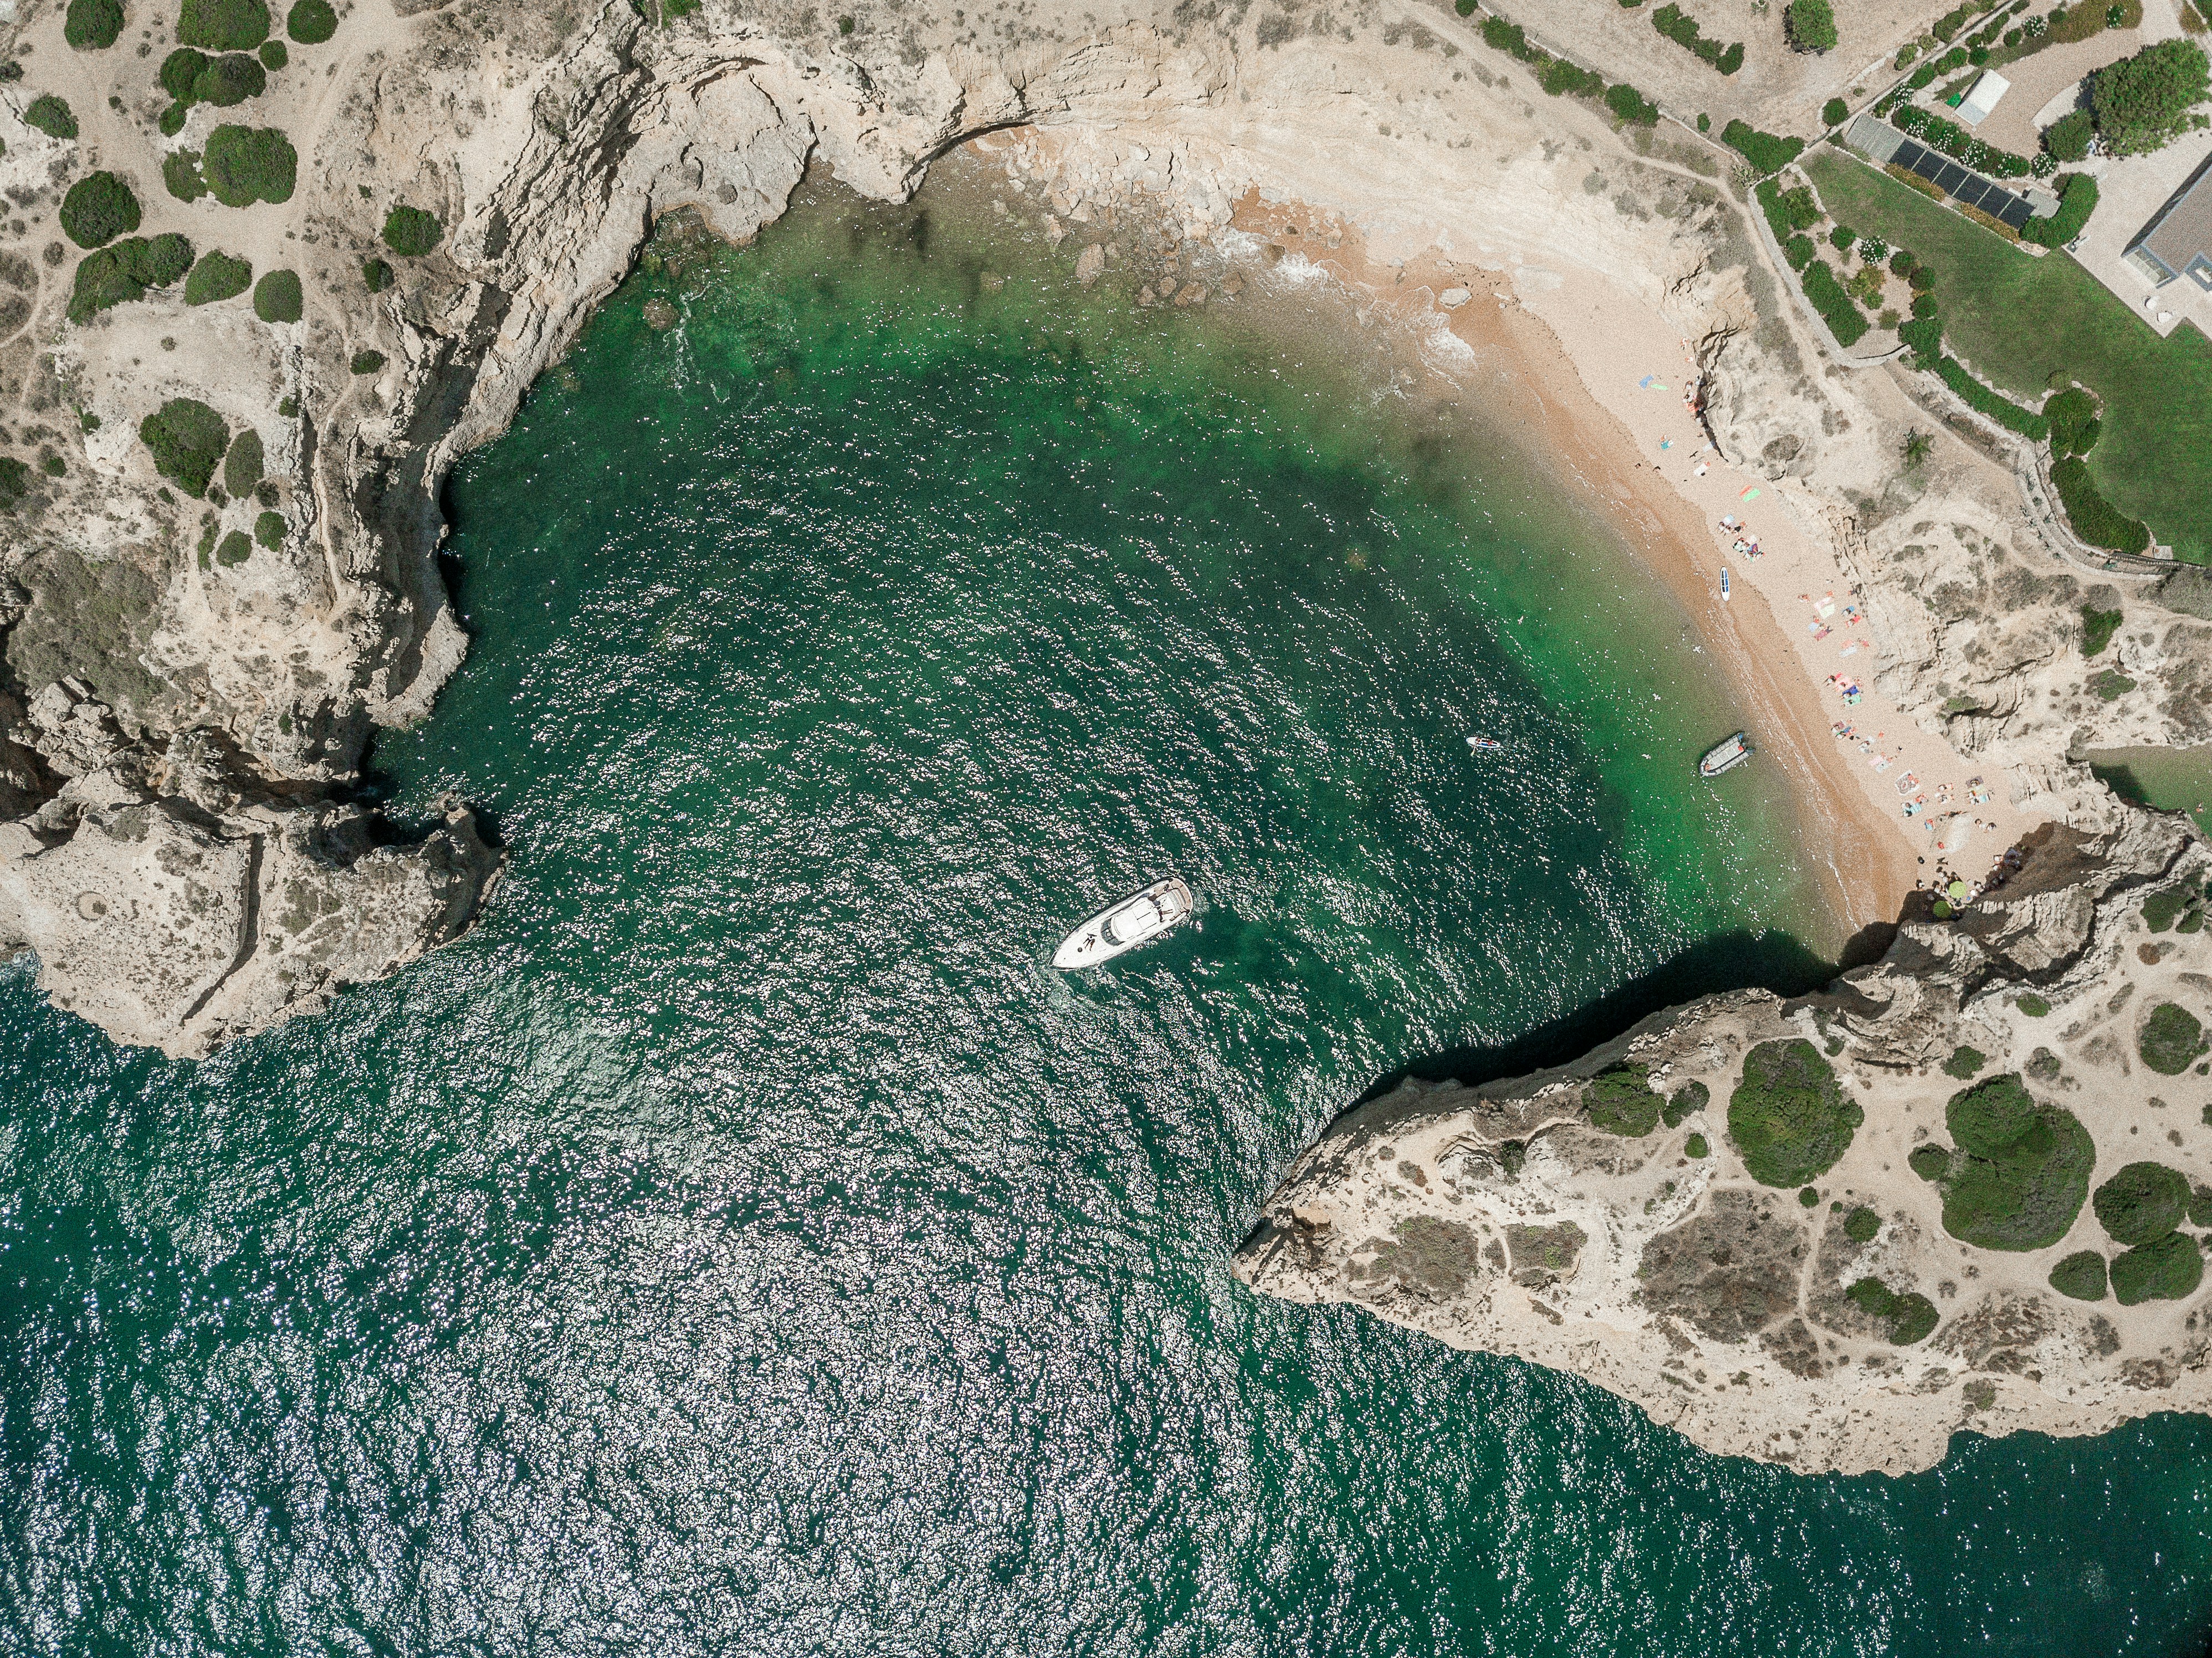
(1119,928)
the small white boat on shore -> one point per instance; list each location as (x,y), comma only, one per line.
(1725,756)
(1121,927)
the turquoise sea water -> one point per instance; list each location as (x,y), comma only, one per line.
(742,1243)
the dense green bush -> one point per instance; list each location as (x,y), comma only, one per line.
(180,69)
(2095,519)
(242,464)
(98,209)
(2022,1171)
(1810,25)
(1509,37)
(217,276)
(14,482)
(2079,1275)
(2167,1269)
(1837,308)
(1630,105)
(1621,1102)
(92,25)
(1799,252)
(366,361)
(2161,909)
(1860,1224)
(223,25)
(228,80)
(269,530)
(2077,200)
(2068,137)
(1681,28)
(2145,1201)
(311,23)
(1965,1062)
(277,298)
(51,116)
(1841,237)
(1977,397)
(274,55)
(1833,111)
(2034,1006)
(1689,1098)
(2200,1206)
(1561,78)
(377,274)
(235,550)
(2072,416)
(1925,336)
(2171,1040)
(2144,102)
(1695,1146)
(410,231)
(180,173)
(246,165)
(1911,1317)
(1929,1162)
(124,270)
(1789,1117)
(187,439)
(2098,628)
(1762,149)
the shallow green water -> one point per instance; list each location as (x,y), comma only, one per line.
(741,1243)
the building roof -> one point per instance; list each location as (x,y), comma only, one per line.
(2182,234)
(1984,98)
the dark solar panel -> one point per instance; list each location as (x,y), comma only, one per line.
(2017,213)
(1908,154)
(1951,178)
(1928,164)
(1975,193)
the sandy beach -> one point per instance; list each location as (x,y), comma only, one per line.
(1601,381)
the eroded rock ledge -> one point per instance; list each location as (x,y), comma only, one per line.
(1528,1217)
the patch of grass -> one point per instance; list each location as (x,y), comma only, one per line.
(277,297)
(187,439)
(2140,1204)
(1621,1103)
(411,231)
(1965,1062)
(246,165)
(223,25)
(1860,1224)
(51,116)
(217,276)
(92,25)
(98,209)
(2080,1276)
(2166,1269)
(2022,1171)
(2020,321)
(1789,1117)
(242,464)
(311,23)
(2171,1040)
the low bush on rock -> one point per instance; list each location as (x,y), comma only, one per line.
(246,165)
(377,275)
(51,116)
(1963,1062)
(2098,628)
(311,23)
(1689,1098)
(187,439)
(277,297)
(241,466)
(410,231)
(1860,1224)
(1911,1317)
(2141,1203)
(2021,1171)
(2035,1006)
(2166,1269)
(366,362)
(269,530)
(235,550)
(92,25)
(1789,1117)
(1621,1103)
(2080,1276)
(223,25)
(98,209)
(217,276)
(2171,1040)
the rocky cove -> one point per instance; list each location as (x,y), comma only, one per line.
(184,852)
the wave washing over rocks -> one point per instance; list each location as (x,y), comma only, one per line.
(198,654)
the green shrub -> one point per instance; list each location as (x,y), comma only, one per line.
(2077,200)
(1911,1317)
(1765,152)
(124,270)
(180,172)
(1977,397)
(180,71)
(2095,519)
(2068,137)
(1840,312)
(1561,78)
(1860,1224)
(1925,336)
(2144,102)
(2111,684)
(1799,252)
(277,297)
(187,439)
(1630,105)
(2143,1202)
(274,56)
(1963,1062)
(51,116)
(1833,111)
(242,464)
(366,362)
(410,231)
(14,482)
(2022,1171)
(217,276)
(1679,26)
(377,274)
(2171,1040)
(2166,1269)
(246,165)
(1510,37)
(311,23)
(1696,1146)
(1789,1119)
(2032,1004)
(228,80)
(1621,1103)
(2200,1206)
(2080,1276)
(1929,1162)
(1810,25)
(269,530)
(1841,237)
(235,550)
(1689,1098)
(98,209)
(92,25)
(1871,1294)
(1807,1198)
(2162,909)
(223,25)
(2072,415)
(173,120)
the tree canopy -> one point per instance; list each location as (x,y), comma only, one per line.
(2144,102)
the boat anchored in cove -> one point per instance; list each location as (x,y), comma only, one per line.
(1121,927)
(1725,756)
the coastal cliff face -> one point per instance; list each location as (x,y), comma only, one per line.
(1831,1232)
(207,657)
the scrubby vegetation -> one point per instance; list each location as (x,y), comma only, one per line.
(234,550)
(2145,102)
(1837,308)
(124,270)
(1929,1162)
(1860,1224)
(2068,137)
(2167,1269)
(2021,1170)
(246,165)
(269,530)
(274,55)
(1789,1117)
(180,173)
(217,276)
(277,297)
(1912,1318)
(1764,151)
(98,209)
(311,23)
(1965,1062)
(2095,519)
(1833,111)
(1983,401)
(92,25)
(2171,1040)
(1810,25)
(2164,908)
(223,25)
(50,115)
(411,231)
(2143,1202)
(2033,1006)
(1621,1102)
(366,361)
(377,275)
(1695,1146)
(2079,1275)
(1681,28)
(187,439)
(2077,200)
(241,466)
(2075,429)
(1691,1096)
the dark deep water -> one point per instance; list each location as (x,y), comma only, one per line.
(741,1243)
